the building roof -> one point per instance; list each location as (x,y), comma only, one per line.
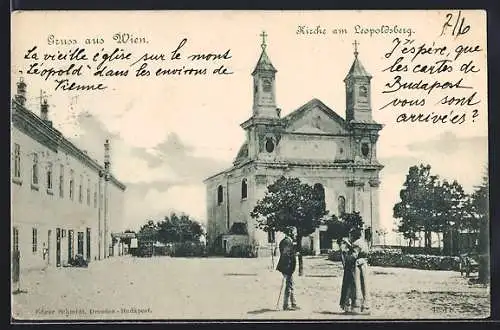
(52,138)
(264,63)
(314,103)
(357,70)
(242,153)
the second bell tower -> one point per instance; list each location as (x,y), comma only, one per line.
(264,85)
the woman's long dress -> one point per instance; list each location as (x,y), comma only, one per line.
(348,291)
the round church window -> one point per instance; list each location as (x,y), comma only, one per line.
(269,145)
(365,149)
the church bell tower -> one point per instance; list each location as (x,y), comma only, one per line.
(264,85)
(357,86)
(264,127)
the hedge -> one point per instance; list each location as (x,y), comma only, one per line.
(395,258)
(242,251)
(184,249)
(334,255)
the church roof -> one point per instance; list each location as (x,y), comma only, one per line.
(314,103)
(357,70)
(369,121)
(264,63)
(242,153)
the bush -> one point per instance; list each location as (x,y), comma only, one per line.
(334,255)
(145,249)
(186,249)
(421,250)
(395,258)
(307,251)
(242,251)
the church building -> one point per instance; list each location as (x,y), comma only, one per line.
(312,143)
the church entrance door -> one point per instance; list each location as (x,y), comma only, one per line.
(325,243)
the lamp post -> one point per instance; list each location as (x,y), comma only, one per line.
(451,237)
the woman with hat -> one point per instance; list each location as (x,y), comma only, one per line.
(358,251)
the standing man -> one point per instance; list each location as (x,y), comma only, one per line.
(286,265)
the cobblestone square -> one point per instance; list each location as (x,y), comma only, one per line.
(226,288)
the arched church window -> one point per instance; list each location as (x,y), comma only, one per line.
(341,205)
(267,85)
(319,192)
(244,189)
(269,145)
(365,149)
(220,195)
(363,91)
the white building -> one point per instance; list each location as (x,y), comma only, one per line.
(312,143)
(63,202)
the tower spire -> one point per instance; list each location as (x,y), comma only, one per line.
(264,74)
(357,83)
(264,63)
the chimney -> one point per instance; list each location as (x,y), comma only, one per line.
(106,156)
(44,111)
(21,92)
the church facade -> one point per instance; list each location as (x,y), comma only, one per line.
(312,143)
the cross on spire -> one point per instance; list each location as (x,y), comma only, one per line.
(263,35)
(355,43)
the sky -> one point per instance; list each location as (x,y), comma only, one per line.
(168,134)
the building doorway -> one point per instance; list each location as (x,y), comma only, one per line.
(58,247)
(71,245)
(16,258)
(325,243)
(88,244)
(49,246)
(80,243)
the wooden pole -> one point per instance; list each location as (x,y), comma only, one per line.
(272,256)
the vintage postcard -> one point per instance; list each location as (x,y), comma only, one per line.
(244,165)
